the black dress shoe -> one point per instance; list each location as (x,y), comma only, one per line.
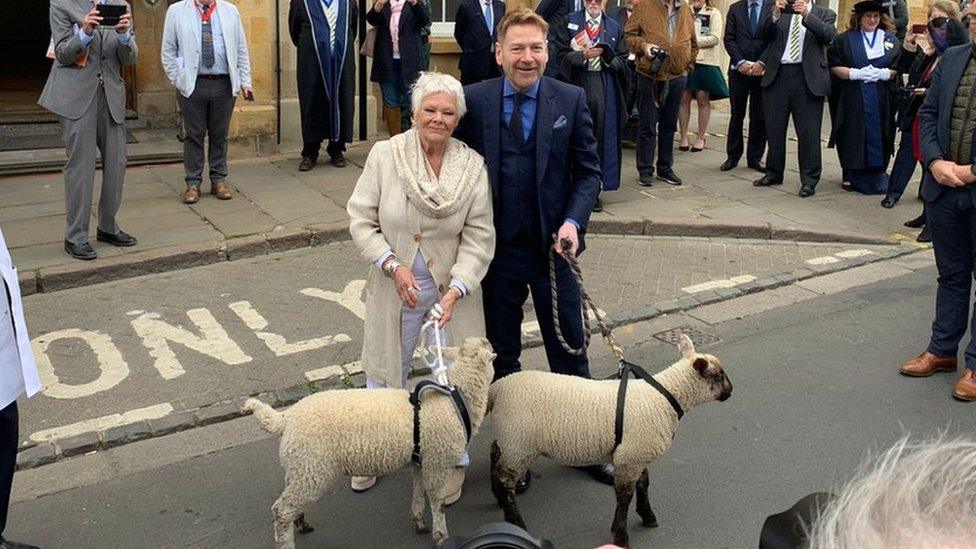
(522,484)
(7,544)
(767,181)
(669,177)
(925,235)
(807,191)
(916,223)
(598,207)
(600,473)
(339,161)
(121,238)
(889,202)
(646,181)
(307,163)
(758,166)
(83,251)
(728,165)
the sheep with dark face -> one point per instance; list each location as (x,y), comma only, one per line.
(571,420)
(336,434)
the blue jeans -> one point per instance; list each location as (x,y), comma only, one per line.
(904,167)
(952,219)
(394,89)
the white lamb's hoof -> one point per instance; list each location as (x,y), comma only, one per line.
(361,484)
(439,538)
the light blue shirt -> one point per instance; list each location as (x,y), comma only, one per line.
(220,65)
(85,39)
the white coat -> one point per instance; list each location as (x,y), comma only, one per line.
(20,377)
(459,246)
(182,41)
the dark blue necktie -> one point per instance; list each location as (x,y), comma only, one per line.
(515,123)
(754,16)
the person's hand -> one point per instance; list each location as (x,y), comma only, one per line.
(125,22)
(778,7)
(92,21)
(650,48)
(248,93)
(412,2)
(924,41)
(745,68)
(801,7)
(965,174)
(758,69)
(569,232)
(406,287)
(944,172)
(447,302)
(378,6)
(591,52)
(910,37)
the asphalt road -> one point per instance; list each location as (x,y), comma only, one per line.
(816,388)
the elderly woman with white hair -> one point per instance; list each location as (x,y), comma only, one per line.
(421,213)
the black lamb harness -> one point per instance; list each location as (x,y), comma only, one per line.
(456,398)
(627,368)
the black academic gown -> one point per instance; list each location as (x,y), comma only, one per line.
(325,113)
(610,118)
(847,110)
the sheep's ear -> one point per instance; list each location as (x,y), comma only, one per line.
(700,365)
(685,345)
(447,352)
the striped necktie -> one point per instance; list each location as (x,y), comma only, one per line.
(331,15)
(207,47)
(795,23)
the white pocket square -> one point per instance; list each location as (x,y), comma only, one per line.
(560,122)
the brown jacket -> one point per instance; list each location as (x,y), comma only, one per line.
(649,25)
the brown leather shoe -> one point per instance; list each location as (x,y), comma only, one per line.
(965,388)
(306,164)
(191,195)
(339,161)
(221,191)
(927,364)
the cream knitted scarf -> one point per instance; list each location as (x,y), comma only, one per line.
(436,197)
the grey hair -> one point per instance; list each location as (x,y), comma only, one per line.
(435,82)
(918,495)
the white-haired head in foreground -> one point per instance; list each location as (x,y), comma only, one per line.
(916,495)
(429,83)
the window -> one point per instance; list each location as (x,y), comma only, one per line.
(442,16)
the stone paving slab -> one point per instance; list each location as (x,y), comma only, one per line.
(195,341)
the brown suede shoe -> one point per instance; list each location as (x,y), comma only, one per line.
(965,388)
(339,161)
(927,364)
(191,195)
(221,191)
(306,164)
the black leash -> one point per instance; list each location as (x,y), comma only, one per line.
(627,368)
(462,410)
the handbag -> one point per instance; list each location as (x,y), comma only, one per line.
(368,42)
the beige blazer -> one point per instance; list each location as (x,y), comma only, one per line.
(457,246)
(709,46)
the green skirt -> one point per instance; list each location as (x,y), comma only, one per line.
(708,78)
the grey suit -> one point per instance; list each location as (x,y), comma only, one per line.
(90,103)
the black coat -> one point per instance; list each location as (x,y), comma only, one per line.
(915,65)
(821,31)
(477,60)
(741,42)
(313,103)
(554,10)
(847,104)
(413,19)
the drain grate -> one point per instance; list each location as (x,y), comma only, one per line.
(697,336)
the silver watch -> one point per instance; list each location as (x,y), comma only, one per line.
(390,266)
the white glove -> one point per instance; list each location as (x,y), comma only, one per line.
(883,74)
(858,74)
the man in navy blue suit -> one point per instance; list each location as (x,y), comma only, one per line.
(536,135)
(949,191)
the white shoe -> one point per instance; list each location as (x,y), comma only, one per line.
(452,486)
(361,484)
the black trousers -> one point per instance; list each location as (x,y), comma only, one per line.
(952,219)
(745,95)
(519,267)
(8,458)
(788,95)
(206,116)
(657,124)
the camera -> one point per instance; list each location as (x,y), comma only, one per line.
(658,55)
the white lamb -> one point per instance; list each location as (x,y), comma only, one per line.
(571,420)
(336,434)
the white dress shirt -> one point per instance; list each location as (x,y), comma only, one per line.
(795,19)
